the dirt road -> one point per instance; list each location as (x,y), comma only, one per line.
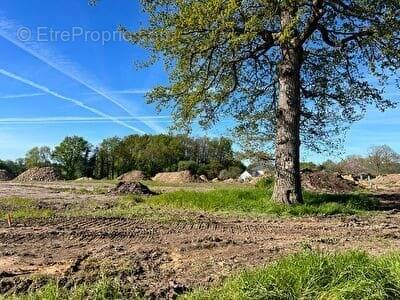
(164,258)
(187,254)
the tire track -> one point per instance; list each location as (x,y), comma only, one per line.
(137,230)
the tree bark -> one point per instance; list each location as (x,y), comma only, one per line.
(287,188)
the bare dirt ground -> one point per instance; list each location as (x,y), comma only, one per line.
(163,258)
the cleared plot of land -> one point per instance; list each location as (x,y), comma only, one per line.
(159,251)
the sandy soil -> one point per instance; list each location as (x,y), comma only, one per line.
(162,259)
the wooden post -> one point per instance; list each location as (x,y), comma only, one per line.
(9,220)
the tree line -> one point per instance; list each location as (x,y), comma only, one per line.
(380,160)
(75,157)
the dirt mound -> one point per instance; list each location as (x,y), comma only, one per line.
(203,178)
(5,175)
(130,188)
(132,176)
(230,180)
(327,182)
(39,174)
(390,179)
(175,177)
(84,179)
(390,182)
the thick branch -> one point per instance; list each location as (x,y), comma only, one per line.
(312,24)
(342,42)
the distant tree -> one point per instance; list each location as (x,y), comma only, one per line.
(158,153)
(310,166)
(223,175)
(329,166)
(13,167)
(232,172)
(258,160)
(220,150)
(90,164)
(106,156)
(38,157)
(188,165)
(212,169)
(383,160)
(353,164)
(296,72)
(72,155)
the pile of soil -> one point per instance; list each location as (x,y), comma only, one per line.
(390,179)
(327,182)
(132,176)
(203,178)
(39,174)
(174,177)
(230,180)
(5,175)
(124,188)
(84,179)
(390,182)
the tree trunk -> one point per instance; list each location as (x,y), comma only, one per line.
(287,188)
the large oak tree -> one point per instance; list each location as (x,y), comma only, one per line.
(298,71)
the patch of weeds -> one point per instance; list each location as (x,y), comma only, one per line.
(129,201)
(313,275)
(104,288)
(257,200)
(22,208)
(355,200)
(242,200)
(265,183)
(80,191)
(131,206)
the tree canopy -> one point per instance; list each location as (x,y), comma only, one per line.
(72,155)
(223,58)
(163,153)
(38,157)
(291,72)
(75,157)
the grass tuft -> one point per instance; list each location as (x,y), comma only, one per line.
(305,275)
(22,208)
(256,200)
(104,288)
(265,183)
(311,275)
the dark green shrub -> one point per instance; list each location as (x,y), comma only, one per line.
(188,165)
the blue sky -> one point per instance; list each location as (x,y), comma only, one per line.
(55,82)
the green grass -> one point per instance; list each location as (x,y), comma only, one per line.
(105,288)
(21,208)
(245,200)
(131,206)
(305,275)
(257,200)
(310,275)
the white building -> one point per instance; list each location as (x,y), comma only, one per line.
(245,176)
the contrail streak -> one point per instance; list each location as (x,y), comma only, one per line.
(9,29)
(155,126)
(76,102)
(61,120)
(125,92)
(16,96)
